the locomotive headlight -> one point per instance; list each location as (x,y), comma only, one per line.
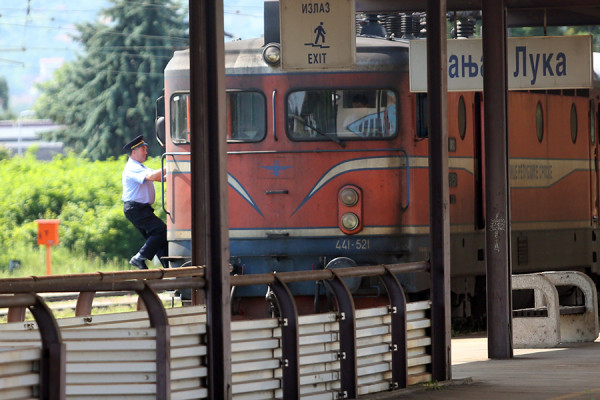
(350,221)
(349,210)
(349,197)
(272,54)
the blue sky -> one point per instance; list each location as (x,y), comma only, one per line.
(244,18)
(35,40)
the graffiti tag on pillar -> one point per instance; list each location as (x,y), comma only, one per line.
(497,225)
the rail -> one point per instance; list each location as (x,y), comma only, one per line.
(146,283)
(162,177)
(326,274)
(274,104)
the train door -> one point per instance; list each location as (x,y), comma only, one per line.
(176,196)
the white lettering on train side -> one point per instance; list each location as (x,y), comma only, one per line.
(534,172)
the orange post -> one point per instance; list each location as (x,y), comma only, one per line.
(48,235)
(48,260)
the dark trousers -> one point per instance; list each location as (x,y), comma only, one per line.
(151,227)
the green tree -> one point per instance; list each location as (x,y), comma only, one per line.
(4,94)
(5,112)
(106,96)
(559,31)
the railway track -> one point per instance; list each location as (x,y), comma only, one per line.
(104,302)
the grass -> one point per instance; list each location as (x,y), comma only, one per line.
(63,262)
(433,385)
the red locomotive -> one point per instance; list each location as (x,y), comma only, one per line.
(330,169)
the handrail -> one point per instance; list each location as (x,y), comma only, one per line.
(162,177)
(88,284)
(81,285)
(326,274)
(53,282)
(273,103)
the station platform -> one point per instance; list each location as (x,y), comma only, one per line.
(560,373)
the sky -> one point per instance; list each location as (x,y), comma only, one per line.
(34,37)
(243,18)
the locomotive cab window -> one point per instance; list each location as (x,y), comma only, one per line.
(342,114)
(180,121)
(246,116)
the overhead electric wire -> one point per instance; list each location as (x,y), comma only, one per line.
(6,60)
(36,15)
(242,14)
(115,71)
(115,48)
(105,31)
(138,3)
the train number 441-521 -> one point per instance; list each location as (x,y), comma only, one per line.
(352,244)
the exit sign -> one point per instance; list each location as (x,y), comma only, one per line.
(317,34)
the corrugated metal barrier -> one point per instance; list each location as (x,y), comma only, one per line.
(161,353)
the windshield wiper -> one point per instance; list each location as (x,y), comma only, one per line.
(332,138)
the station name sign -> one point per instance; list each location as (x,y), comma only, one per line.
(557,62)
(316,34)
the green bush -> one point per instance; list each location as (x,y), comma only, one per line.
(84,195)
(4,152)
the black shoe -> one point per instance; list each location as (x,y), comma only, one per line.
(138,262)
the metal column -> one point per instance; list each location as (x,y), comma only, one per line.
(210,237)
(437,88)
(497,192)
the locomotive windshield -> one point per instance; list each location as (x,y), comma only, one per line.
(342,114)
(246,116)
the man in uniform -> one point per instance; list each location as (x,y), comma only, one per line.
(138,197)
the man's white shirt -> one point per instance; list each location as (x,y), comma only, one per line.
(135,185)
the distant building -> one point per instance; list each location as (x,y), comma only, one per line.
(18,136)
